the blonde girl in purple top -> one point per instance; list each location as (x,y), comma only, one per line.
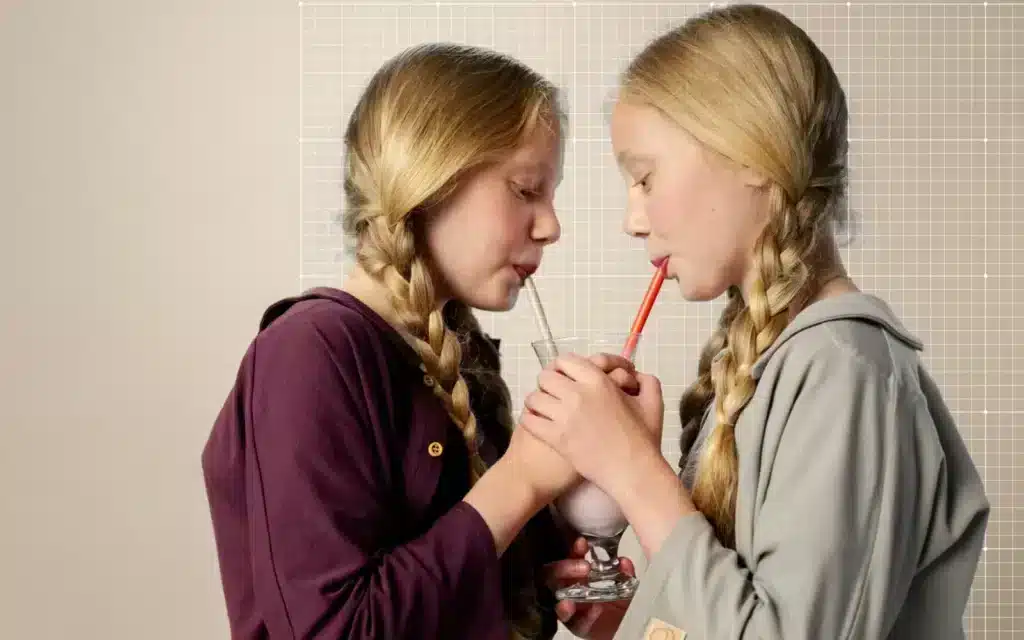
(363,476)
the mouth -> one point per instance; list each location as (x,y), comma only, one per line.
(524,271)
(657,262)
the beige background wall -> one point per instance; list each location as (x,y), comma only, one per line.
(169,168)
(148,191)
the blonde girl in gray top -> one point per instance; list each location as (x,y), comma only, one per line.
(825,491)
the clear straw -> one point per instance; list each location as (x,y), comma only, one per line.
(538,315)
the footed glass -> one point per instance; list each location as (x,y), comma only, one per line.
(586,508)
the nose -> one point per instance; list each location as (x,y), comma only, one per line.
(546,228)
(636,223)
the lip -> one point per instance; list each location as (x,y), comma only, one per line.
(524,271)
(657,262)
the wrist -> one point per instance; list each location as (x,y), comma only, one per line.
(641,463)
(506,501)
(652,498)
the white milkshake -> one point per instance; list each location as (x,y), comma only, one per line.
(591,511)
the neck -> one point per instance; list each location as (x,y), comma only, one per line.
(374,294)
(371,292)
(828,277)
(828,274)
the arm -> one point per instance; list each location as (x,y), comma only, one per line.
(328,558)
(505,503)
(830,546)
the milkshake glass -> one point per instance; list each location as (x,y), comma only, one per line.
(586,508)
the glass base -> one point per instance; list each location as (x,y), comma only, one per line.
(606,583)
(619,587)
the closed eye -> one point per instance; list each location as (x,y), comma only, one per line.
(527,193)
(643,183)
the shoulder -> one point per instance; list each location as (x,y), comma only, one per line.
(320,375)
(839,357)
(317,331)
(830,390)
(853,336)
(834,380)
(844,345)
(846,383)
(322,356)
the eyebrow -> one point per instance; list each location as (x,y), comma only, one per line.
(541,168)
(626,158)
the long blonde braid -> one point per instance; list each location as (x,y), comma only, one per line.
(781,274)
(696,399)
(390,255)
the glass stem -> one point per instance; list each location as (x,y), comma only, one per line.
(603,556)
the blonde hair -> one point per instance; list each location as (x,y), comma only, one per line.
(755,90)
(427,120)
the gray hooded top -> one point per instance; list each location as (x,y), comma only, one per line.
(859,515)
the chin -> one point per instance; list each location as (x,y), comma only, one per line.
(501,300)
(699,292)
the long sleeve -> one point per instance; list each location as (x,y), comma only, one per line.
(836,510)
(327,561)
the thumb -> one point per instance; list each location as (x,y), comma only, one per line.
(625,380)
(651,400)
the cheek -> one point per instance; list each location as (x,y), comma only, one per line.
(663,214)
(475,235)
(504,229)
(488,241)
(694,229)
(672,218)
(454,260)
(471,248)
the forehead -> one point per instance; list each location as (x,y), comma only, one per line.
(540,151)
(637,130)
(634,125)
(640,134)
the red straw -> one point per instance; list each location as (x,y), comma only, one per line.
(645,310)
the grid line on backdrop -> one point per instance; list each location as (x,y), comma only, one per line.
(935,90)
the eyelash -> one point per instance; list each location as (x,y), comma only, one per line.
(527,193)
(643,182)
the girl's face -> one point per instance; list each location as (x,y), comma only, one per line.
(491,233)
(692,207)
